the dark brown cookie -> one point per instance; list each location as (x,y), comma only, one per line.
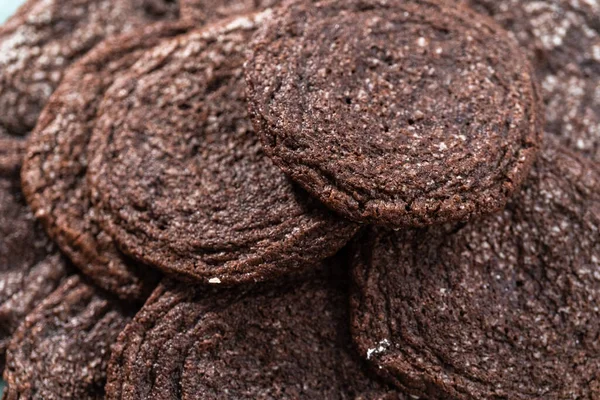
(563,40)
(407,113)
(22,290)
(30,268)
(54,169)
(286,342)
(502,308)
(179,177)
(62,349)
(45,36)
(214,10)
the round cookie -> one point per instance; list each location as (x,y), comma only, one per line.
(405,113)
(30,267)
(286,342)
(214,10)
(179,177)
(562,38)
(501,308)
(44,37)
(62,349)
(57,158)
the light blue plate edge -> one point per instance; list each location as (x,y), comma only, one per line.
(8,7)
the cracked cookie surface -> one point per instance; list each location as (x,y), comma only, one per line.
(54,171)
(62,349)
(406,113)
(284,341)
(503,307)
(180,180)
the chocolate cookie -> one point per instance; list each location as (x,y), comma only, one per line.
(563,40)
(407,113)
(501,308)
(214,10)
(179,177)
(45,36)
(57,158)
(62,349)
(288,342)
(22,290)
(30,268)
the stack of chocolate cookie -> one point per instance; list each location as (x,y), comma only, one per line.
(334,199)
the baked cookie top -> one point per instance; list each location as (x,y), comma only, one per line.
(406,113)
(63,347)
(180,179)
(562,37)
(503,307)
(44,37)
(284,341)
(56,162)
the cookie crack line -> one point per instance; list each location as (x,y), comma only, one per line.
(236,156)
(249,320)
(306,61)
(185,223)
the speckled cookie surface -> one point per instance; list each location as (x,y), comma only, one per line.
(562,38)
(30,268)
(502,308)
(179,177)
(62,349)
(11,152)
(45,36)
(407,113)
(213,10)
(288,342)
(57,159)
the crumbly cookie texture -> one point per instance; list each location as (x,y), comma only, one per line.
(562,38)
(406,113)
(62,349)
(179,177)
(44,37)
(503,307)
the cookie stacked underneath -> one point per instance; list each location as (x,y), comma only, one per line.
(334,199)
